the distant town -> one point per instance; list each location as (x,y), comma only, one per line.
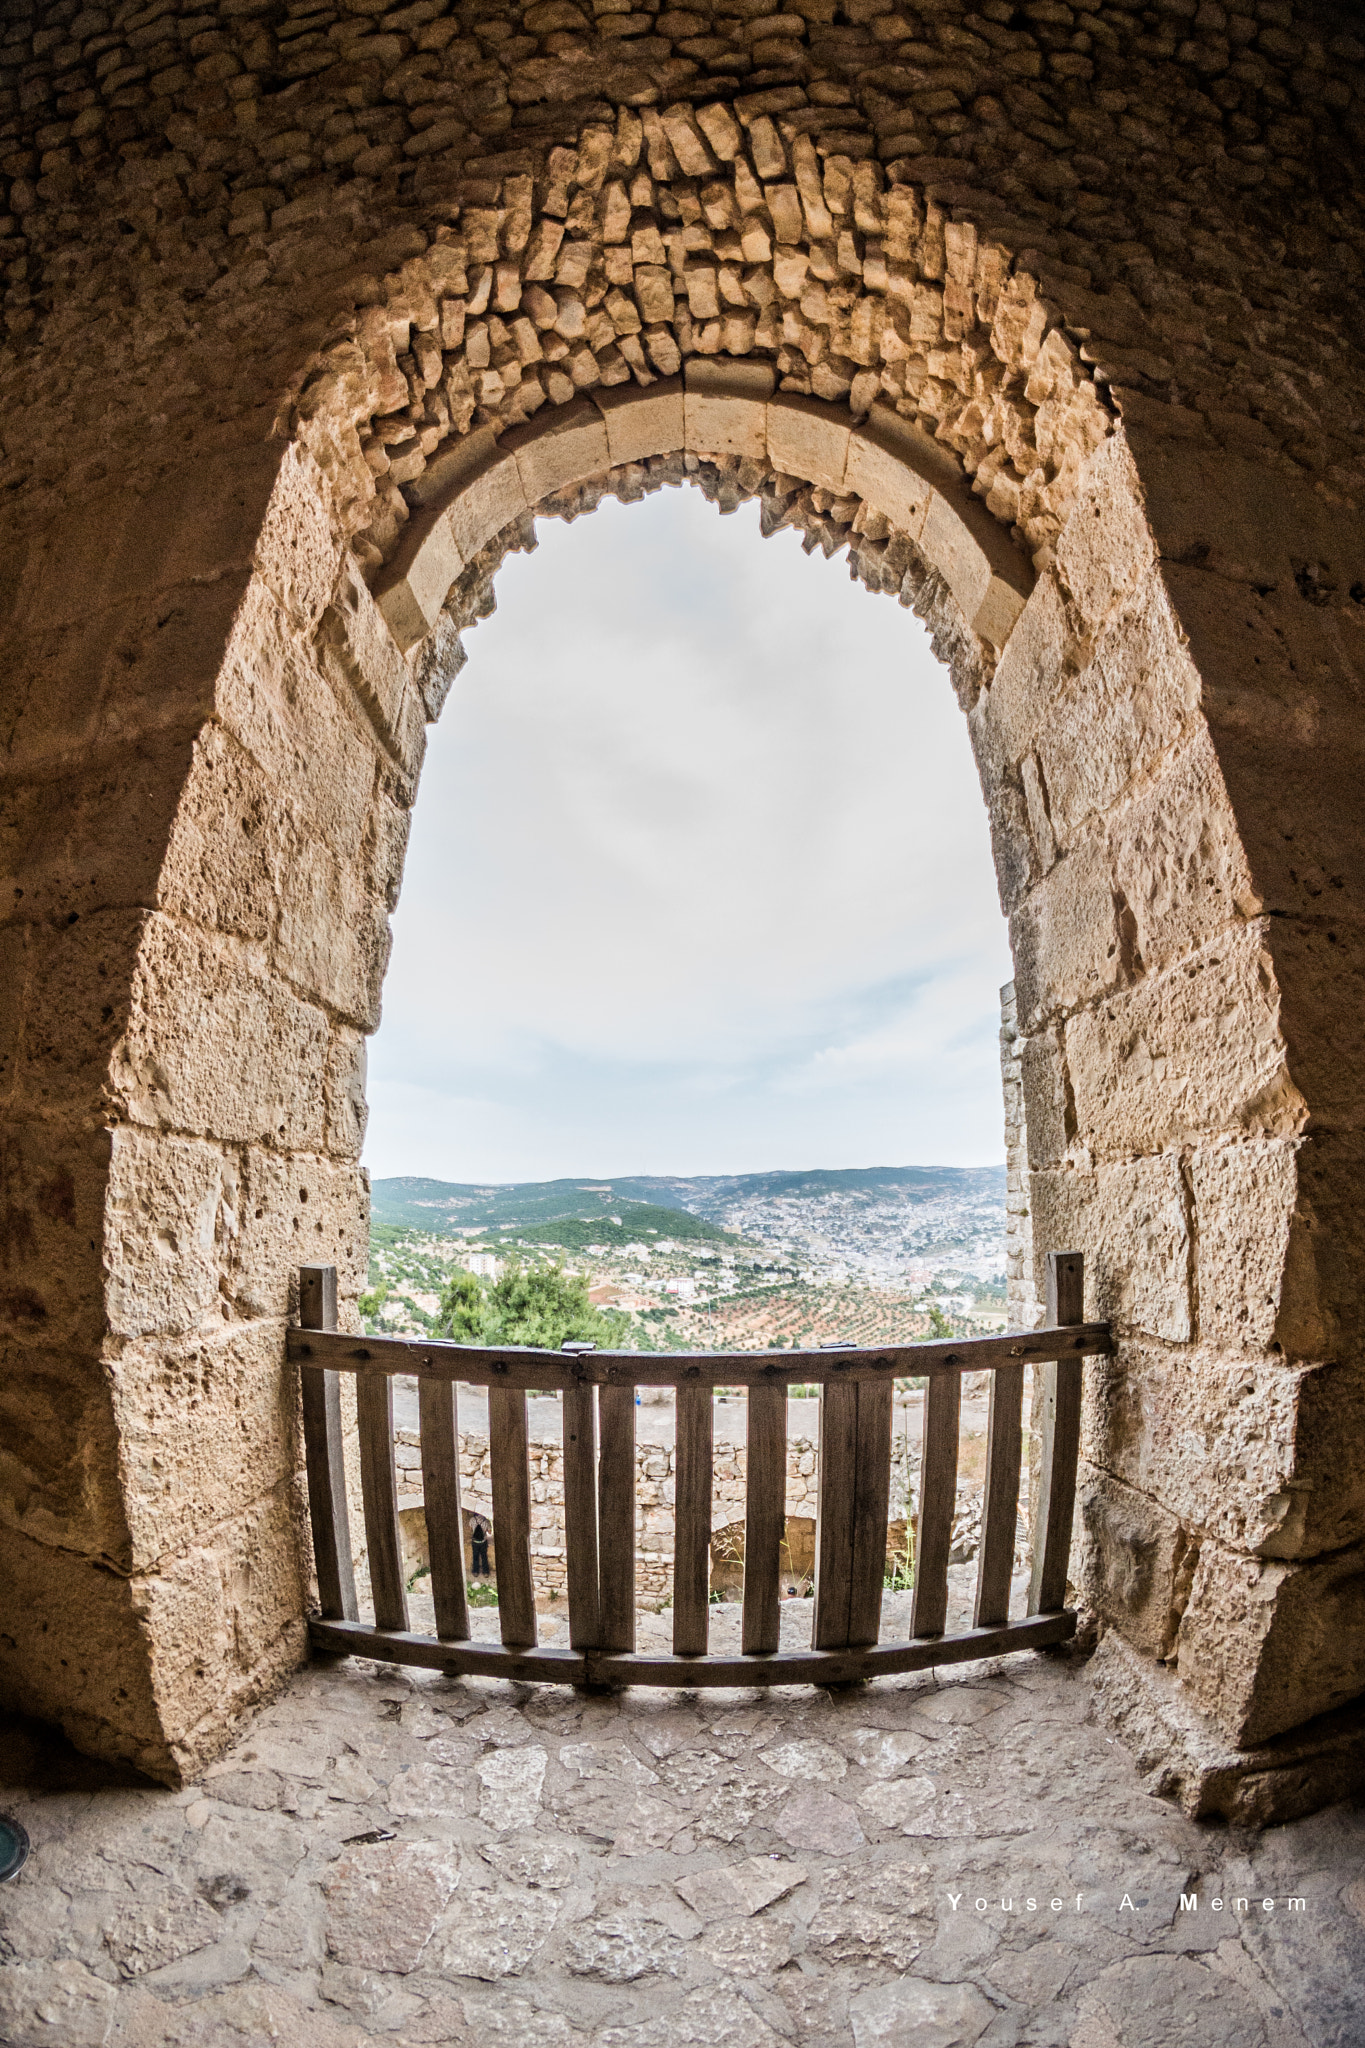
(740,1262)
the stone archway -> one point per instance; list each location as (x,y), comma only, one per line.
(188,1090)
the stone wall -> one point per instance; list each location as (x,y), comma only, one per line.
(283,288)
(655,1470)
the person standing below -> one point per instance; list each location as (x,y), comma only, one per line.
(478,1538)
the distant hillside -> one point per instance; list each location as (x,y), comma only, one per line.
(447,1208)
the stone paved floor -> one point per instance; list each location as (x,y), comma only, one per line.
(401,1858)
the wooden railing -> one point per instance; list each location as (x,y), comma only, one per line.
(598,1387)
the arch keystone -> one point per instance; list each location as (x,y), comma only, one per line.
(725,408)
(642,423)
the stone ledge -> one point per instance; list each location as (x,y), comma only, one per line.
(1189,1760)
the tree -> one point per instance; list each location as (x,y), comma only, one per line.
(463,1310)
(939,1326)
(546,1307)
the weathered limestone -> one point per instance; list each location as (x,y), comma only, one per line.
(1048,322)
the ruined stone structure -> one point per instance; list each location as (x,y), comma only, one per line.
(1043,311)
(655,1496)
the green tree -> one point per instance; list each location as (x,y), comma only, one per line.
(545,1307)
(939,1326)
(463,1313)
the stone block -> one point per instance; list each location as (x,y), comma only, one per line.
(333,941)
(59,1482)
(486,502)
(215,1049)
(227,1619)
(114,547)
(1291,757)
(1211,1437)
(1245,1198)
(562,445)
(91,837)
(1319,973)
(53,1181)
(299,1211)
(1185,1055)
(1129,1569)
(1265,1646)
(885,466)
(277,701)
(411,588)
(1130,1221)
(73,1651)
(227,842)
(808,439)
(207,1427)
(1047,1111)
(1030,677)
(642,423)
(1125,703)
(298,551)
(721,424)
(171,1279)
(77,985)
(1105,551)
(1187,1757)
(344,1093)
(452,467)
(1220,509)
(1179,868)
(1068,937)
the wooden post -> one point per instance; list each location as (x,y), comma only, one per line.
(616,1516)
(692,1522)
(508,1454)
(580,1515)
(323,1454)
(379,1488)
(1061,1434)
(1000,1506)
(765,1519)
(834,1515)
(440,1424)
(867,1572)
(937,1500)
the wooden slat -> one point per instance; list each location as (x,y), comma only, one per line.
(550,1665)
(872,1484)
(692,1522)
(616,1516)
(511,1488)
(440,1423)
(551,1369)
(580,1513)
(789,1667)
(323,1454)
(1000,1502)
(379,1488)
(1061,1433)
(937,1499)
(835,1515)
(765,1519)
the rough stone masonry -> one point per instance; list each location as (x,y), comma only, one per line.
(283,280)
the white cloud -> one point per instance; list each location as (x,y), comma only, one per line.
(699,876)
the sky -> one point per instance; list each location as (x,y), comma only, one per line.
(699,878)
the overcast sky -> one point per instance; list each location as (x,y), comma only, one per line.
(699,878)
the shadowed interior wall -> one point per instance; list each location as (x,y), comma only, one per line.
(281,287)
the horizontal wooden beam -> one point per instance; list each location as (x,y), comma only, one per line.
(603,1667)
(478,1365)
